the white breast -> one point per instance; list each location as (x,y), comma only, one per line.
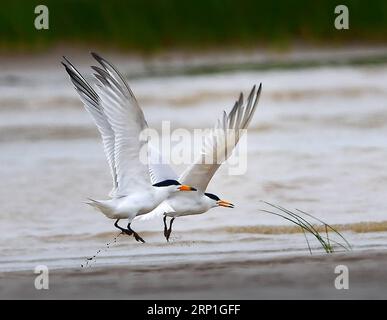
(187,204)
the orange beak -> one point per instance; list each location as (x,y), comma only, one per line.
(225,204)
(184,187)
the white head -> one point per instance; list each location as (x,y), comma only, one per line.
(214,201)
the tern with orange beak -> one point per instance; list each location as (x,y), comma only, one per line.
(217,148)
(120,121)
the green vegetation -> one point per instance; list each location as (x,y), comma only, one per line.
(151,25)
(326,241)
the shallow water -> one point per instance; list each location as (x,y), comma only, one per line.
(317,143)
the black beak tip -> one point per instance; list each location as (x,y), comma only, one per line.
(193,189)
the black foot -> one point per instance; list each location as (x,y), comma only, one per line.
(129,232)
(168,234)
(137,237)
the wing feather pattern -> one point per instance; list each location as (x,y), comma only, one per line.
(119,120)
(222,140)
(92,104)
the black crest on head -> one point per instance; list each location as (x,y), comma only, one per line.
(212,196)
(167,183)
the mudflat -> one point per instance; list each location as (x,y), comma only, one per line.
(301,277)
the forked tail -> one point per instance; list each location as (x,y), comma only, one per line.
(102,205)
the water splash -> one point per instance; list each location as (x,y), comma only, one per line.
(93,259)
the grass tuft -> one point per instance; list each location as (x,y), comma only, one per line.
(327,242)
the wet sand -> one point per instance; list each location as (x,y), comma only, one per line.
(295,277)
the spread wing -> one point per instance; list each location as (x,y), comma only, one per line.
(158,170)
(92,104)
(120,121)
(222,140)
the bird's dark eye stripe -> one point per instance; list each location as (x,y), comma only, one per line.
(167,183)
(212,196)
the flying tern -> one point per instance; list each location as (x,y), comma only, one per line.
(218,145)
(120,121)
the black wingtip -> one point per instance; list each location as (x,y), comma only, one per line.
(251,94)
(240,100)
(67,68)
(66,60)
(98,69)
(97,57)
(258,94)
(68,65)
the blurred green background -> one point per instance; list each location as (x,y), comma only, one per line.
(150,25)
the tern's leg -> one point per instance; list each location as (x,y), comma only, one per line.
(165,227)
(170,229)
(135,234)
(126,231)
